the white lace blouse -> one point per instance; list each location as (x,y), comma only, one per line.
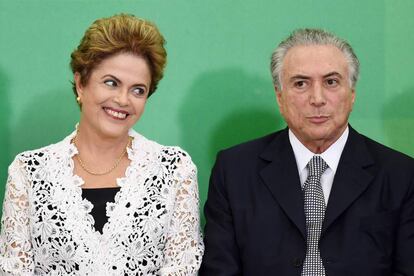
(153,223)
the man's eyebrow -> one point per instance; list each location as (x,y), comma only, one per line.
(303,77)
(333,74)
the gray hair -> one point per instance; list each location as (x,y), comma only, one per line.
(305,37)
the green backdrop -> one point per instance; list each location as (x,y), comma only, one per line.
(217,89)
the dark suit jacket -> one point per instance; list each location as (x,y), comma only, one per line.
(256,222)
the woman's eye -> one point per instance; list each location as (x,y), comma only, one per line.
(138,91)
(111,83)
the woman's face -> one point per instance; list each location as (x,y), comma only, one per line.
(115,95)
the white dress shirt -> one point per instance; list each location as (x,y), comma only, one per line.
(331,156)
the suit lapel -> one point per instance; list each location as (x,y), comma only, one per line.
(351,178)
(281,177)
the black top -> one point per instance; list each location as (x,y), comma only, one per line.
(99,198)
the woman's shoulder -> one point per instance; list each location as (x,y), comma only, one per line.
(42,154)
(163,152)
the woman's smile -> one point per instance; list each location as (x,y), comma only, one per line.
(116,114)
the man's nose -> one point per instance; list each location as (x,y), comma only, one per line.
(317,95)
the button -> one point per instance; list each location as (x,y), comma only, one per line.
(297,262)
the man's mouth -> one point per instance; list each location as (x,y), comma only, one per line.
(318,119)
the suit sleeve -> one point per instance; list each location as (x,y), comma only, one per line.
(403,264)
(221,256)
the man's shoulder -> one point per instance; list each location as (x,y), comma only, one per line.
(383,154)
(251,148)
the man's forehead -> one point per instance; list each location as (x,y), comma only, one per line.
(315,60)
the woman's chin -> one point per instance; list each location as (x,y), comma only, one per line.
(108,127)
(112,131)
(116,132)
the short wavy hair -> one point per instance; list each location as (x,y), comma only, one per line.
(122,33)
(305,37)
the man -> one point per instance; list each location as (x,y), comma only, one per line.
(317,198)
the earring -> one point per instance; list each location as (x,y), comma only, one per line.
(78,99)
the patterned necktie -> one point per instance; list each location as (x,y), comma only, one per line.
(315,213)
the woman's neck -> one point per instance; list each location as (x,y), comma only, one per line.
(92,144)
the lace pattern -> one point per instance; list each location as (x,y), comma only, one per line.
(152,228)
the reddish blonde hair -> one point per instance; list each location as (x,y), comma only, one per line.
(121,33)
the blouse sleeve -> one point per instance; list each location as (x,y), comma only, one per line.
(184,246)
(15,246)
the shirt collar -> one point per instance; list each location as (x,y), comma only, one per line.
(331,155)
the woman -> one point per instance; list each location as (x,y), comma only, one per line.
(105,200)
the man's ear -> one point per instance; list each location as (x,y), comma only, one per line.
(353,96)
(78,84)
(278,96)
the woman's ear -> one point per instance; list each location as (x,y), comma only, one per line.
(78,84)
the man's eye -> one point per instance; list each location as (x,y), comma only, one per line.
(300,84)
(111,83)
(332,82)
(138,91)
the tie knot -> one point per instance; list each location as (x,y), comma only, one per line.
(316,166)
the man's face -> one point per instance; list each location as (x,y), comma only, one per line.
(316,98)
